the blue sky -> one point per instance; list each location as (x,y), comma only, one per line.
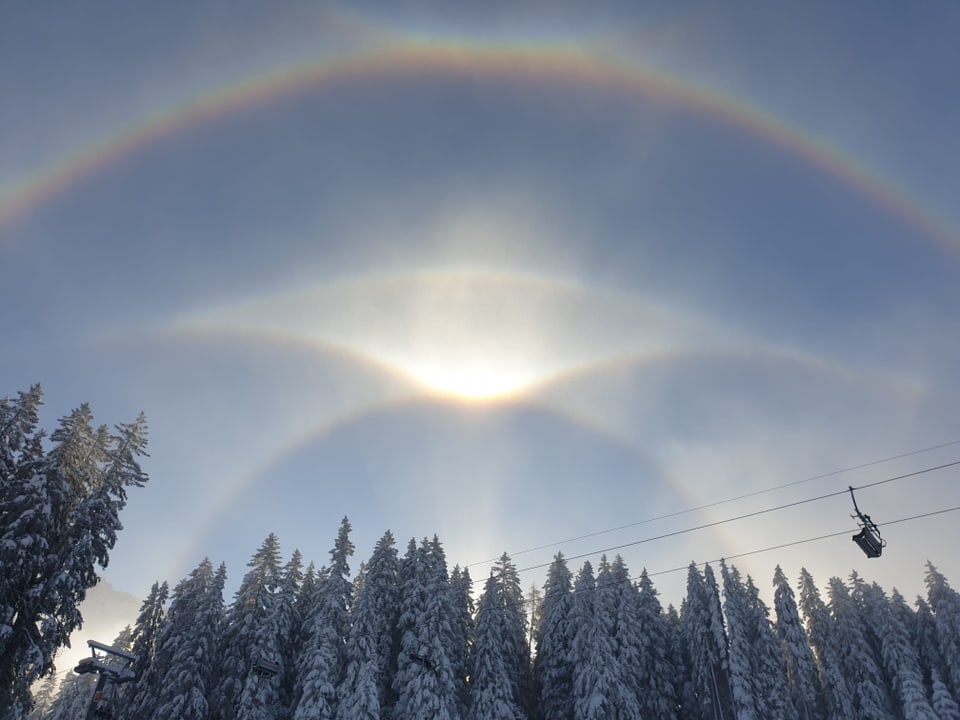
(507,309)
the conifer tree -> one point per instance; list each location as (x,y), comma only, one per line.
(801,666)
(927,643)
(143,639)
(187,649)
(492,692)
(511,608)
(656,675)
(306,597)
(897,652)
(59,519)
(288,622)
(249,635)
(143,636)
(45,697)
(463,631)
(425,682)
(616,605)
(757,673)
(679,656)
(860,667)
(706,641)
(554,636)
(595,693)
(322,661)
(827,647)
(364,693)
(945,603)
(943,703)
(738,623)
(73,698)
(769,680)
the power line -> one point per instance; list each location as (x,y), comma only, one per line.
(744,516)
(715,503)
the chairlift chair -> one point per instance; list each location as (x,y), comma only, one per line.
(265,667)
(868,538)
(113,667)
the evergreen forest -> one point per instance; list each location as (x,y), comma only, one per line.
(407,639)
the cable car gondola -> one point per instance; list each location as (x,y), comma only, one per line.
(868,538)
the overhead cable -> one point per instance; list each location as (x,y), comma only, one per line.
(755,513)
(715,503)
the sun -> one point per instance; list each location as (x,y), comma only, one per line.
(477,379)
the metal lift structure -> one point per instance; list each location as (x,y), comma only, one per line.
(114,667)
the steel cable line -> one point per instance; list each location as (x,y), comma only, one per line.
(764,511)
(758,551)
(715,503)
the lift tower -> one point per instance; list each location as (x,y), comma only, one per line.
(114,667)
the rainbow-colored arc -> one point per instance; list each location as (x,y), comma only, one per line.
(426,57)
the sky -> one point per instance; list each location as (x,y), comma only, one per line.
(557,277)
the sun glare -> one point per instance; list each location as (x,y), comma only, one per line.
(465,336)
(481,381)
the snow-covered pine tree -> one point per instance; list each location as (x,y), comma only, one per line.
(425,682)
(858,661)
(249,634)
(288,622)
(261,696)
(757,672)
(656,675)
(322,661)
(679,657)
(825,644)
(60,517)
(143,639)
(187,649)
(594,678)
(942,701)
(554,637)
(897,652)
(944,601)
(618,613)
(364,692)
(492,687)
(23,543)
(770,687)
(803,677)
(306,597)
(359,579)
(44,697)
(739,630)
(464,627)
(927,644)
(511,608)
(706,641)
(73,698)
(924,634)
